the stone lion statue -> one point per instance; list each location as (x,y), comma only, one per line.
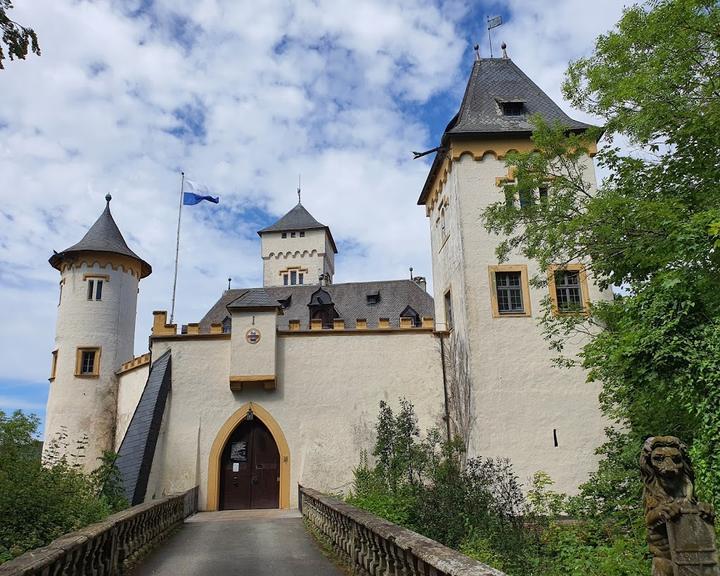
(668,478)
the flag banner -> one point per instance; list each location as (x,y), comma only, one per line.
(494,22)
(195,193)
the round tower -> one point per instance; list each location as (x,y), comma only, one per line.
(95,330)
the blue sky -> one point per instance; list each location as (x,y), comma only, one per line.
(128,93)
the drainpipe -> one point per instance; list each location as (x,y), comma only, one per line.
(445,390)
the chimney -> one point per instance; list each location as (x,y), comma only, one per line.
(420,281)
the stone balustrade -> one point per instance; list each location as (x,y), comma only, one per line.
(106,548)
(375,547)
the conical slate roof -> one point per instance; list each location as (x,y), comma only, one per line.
(298,219)
(103,236)
(497,80)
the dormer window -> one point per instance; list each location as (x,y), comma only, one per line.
(512,107)
(410,312)
(373,298)
(286,302)
(227,325)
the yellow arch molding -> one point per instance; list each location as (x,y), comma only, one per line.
(213,498)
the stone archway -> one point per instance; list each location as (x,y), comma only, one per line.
(226,430)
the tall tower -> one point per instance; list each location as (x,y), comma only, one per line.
(94,335)
(539,416)
(297,249)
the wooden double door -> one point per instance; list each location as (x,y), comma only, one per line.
(250,467)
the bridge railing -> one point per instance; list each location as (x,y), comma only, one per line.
(105,548)
(375,547)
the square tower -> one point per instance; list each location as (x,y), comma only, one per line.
(541,417)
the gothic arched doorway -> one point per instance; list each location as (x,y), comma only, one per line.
(265,444)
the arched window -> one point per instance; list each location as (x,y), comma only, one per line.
(322,308)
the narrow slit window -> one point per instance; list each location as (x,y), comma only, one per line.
(285,279)
(91,287)
(555,439)
(448,310)
(98,289)
(301,278)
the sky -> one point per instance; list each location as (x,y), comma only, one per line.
(243,96)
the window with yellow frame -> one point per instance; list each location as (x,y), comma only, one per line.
(87,362)
(509,291)
(568,289)
(53,366)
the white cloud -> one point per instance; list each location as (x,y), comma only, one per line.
(320,88)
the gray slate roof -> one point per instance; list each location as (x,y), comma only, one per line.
(495,80)
(298,219)
(136,452)
(256,298)
(103,236)
(350,302)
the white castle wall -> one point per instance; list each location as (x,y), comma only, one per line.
(313,252)
(326,402)
(85,407)
(130,388)
(520,397)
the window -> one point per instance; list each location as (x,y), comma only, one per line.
(372,298)
(516,108)
(87,362)
(94,289)
(285,279)
(284,235)
(293,277)
(568,288)
(53,365)
(301,278)
(61,289)
(410,312)
(292,234)
(509,290)
(448,311)
(302,234)
(543,194)
(227,325)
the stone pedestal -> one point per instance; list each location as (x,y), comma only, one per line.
(692,544)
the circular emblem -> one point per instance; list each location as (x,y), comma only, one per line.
(252,336)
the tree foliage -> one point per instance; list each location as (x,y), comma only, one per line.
(40,503)
(651,228)
(18,39)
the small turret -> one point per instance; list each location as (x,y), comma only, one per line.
(297,249)
(94,336)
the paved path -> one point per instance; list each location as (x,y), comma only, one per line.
(252,542)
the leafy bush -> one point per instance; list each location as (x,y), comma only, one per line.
(479,508)
(40,503)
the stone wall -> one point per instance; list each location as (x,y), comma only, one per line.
(375,547)
(107,547)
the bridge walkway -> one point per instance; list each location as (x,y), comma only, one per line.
(239,542)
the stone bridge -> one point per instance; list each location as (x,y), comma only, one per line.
(168,537)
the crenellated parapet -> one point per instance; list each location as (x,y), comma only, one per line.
(137,362)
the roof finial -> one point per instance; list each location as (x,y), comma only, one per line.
(504,46)
(411,272)
(108,198)
(299,187)
(477,51)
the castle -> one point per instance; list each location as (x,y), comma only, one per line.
(280,384)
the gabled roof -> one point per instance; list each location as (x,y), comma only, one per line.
(103,236)
(253,299)
(492,82)
(350,301)
(298,219)
(497,80)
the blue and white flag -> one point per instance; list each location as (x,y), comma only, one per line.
(194,193)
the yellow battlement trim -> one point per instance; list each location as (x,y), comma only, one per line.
(136,362)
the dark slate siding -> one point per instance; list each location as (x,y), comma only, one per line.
(136,452)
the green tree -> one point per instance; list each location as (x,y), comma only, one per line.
(651,228)
(40,503)
(18,39)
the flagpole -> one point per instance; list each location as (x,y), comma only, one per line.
(177,246)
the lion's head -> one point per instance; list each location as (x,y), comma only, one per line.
(666,470)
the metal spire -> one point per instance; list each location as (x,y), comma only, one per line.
(299,187)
